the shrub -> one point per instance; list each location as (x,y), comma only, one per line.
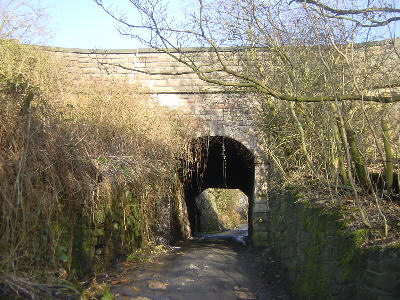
(71,145)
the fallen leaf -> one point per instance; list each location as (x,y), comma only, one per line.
(244,293)
(119,281)
(157,285)
(134,289)
(193,267)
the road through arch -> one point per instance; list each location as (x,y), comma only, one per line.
(220,162)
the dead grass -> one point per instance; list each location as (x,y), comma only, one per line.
(29,288)
(344,202)
(68,144)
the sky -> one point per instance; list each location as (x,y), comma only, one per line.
(83,24)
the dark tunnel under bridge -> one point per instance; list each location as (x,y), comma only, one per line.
(217,162)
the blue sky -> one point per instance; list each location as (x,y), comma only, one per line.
(82,24)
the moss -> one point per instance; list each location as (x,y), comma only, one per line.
(81,248)
(177,224)
(133,222)
(312,285)
(394,246)
(260,238)
(107,295)
(305,221)
(320,253)
(97,242)
(348,249)
(359,236)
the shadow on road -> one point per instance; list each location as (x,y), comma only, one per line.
(210,266)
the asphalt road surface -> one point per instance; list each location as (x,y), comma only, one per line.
(217,266)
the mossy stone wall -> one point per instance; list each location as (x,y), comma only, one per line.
(93,241)
(323,260)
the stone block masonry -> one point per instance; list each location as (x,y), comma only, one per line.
(322,260)
(225,112)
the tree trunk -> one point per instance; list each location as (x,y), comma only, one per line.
(339,133)
(388,155)
(341,166)
(356,157)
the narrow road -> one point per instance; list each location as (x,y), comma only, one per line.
(218,266)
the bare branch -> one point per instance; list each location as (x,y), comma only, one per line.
(23,20)
(366,13)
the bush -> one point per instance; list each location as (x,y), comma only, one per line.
(73,146)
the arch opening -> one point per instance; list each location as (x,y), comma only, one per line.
(217,162)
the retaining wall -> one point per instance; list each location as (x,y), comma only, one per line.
(322,259)
(94,242)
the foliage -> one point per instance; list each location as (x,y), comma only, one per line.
(107,295)
(232,211)
(74,148)
(98,291)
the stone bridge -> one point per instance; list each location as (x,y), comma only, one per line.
(234,155)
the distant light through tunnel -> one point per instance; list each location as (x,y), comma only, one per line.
(223,164)
(221,209)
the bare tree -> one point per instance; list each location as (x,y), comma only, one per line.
(279,31)
(23,20)
(342,57)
